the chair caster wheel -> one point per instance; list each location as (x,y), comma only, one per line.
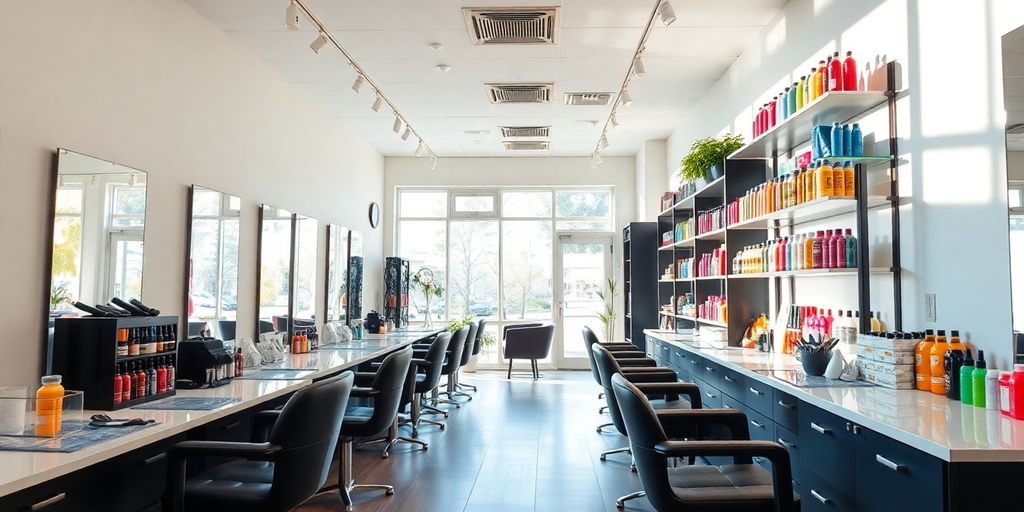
(385,455)
(442,428)
(632,467)
(603,457)
(389,492)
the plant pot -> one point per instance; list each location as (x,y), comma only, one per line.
(815,362)
(471,365)
(714,172)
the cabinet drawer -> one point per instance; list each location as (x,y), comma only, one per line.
(74,492)
(148,469)
(828,444)
(785,410)
(819,494)
(885,465)
(694,365)
(711,397)
(678,361)
(791,442)
(711,373)
(758,396)
(733,384)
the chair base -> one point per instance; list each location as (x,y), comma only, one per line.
(346,484)
(393,439)
(466,386)
(601,427)
(602,409)
(621,502)
(606,453)
(533,367)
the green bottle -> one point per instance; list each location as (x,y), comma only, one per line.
(978,379)
(966,382)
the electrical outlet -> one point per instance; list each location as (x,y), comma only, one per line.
(929,307)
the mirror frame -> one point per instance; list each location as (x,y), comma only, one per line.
(293,289)
(191,191)
(291,272)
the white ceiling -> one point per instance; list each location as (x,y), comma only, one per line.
(390,39)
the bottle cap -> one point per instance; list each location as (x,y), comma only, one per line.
(941,332)
(968,360)
(1018,368)
(955,333)
(980,361)
(849,54)
(51,379)
(836,54)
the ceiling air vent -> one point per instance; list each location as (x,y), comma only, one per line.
(520,93)
(588,98)
(512,25)
(509,132)
(526,145)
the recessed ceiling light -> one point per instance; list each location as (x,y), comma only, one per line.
(444,68)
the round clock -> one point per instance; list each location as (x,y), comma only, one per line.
(374,215)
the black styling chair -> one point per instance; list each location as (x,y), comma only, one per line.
(467,353)
(477,345)
(227,329)
(391,438)
(627,359)
(528,341)
(456,347)
(385,390)
(740,487)
(277,474)
(428,376)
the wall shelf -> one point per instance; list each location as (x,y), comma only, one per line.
(817,272)
(810,211)
(708,278)
(831,107)
(717,234)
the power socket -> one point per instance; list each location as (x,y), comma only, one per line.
(929,307)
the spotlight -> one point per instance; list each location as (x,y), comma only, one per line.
(624,98)
(132,180)
(358,84)
(595,160)
(638,66)
(406,133)
(377,103)
(444,68)
(291,16)
(397,127)
(433,163)
(421,149)
(668,14)
(319,42)
(614,120)
(604,141)
(94,181)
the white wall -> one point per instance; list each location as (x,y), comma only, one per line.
(154,86)
(953,171)
(651,181)
(1015,165)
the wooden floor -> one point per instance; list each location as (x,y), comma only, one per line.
(519,445)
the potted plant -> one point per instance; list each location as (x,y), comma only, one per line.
(486,342)
(707,157)
(424,278)
(607,315)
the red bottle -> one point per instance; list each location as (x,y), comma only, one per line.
(826,250)
(850,73)
(835,73)
(170,375)
(239,363)
(1017,392)
(140,385)
(132,379)
(839,249)
(118,379)
(161,377)
(825,75)
(771,112)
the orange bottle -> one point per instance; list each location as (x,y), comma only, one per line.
(809,187)
(937,362)
(798,182)
(823,179)
(849,173)
(808,254)
(838,180)
(922,361)
(49,406)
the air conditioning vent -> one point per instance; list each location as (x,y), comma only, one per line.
(588,98)
(533,145)
(520,93)
(512,25)
(510,132)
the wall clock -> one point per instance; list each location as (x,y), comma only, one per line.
(374,215)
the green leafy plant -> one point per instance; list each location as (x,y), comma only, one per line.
(607,315)
(489,340)
(706,153)
(59,295)
(459,323)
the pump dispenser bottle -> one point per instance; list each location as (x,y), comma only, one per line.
(978,380)
(966,384)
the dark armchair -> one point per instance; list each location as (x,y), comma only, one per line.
(528,341)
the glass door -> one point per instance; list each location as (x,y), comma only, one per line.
(583,267)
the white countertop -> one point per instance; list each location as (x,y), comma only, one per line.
(931,423)
(21,470)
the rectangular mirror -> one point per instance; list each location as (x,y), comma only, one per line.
(274,269)
(211,293)
(355,276)
(98,227)
(307,231)
(336,307)
(1013,90)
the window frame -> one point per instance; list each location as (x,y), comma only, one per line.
(494,212)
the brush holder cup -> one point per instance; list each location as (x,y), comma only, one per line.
(814,361)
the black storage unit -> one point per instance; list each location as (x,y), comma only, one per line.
(85,354)
(396,291)
(640,279)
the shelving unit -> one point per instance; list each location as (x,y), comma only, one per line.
(640,279)
(749,295)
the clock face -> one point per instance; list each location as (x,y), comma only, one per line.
(374,215)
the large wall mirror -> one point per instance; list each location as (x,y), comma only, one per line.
(1013,89)
(355,276)
(307,231)
(274,269)
(211,294)
(99,220)
(336,307)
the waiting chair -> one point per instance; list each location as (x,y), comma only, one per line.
(467,353)
(528,341)
(277,474)
(741,487)
(456,346)
(477,345)
(428,376)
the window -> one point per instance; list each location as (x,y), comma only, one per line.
(423,204)
(583,209)
(526,204)
(67,245)
(129,206)
(475,204)
(1015,194)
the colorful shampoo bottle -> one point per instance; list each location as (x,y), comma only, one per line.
(966,384)
(978,380)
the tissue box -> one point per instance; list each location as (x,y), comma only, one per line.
(885,355)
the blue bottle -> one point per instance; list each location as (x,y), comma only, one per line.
(791,98)
(856,141)
(783,102)
(837,140)
(847,139)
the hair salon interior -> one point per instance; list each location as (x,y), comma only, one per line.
(512,255)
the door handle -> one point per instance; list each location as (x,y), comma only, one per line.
(709,395)
(819,497)
(889,464)
(729,379)
(820,429)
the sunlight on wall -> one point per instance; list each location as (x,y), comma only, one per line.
(775,37)
(957,175)
(820,6)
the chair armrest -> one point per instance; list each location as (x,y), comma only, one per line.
(673,389)
(263,422)
(364,378)
(222,449)
(661,375)
(782,471)
(612,347)
(628,354)
(636,363)
(362,392)
(705,420)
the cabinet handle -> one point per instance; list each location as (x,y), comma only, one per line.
(889,464)
(820,429)
(709,395)
(52,500)
(787,444)
(693,362)
(819,497)
(756,392)
(756,424)
(155,458)
(786,406)
(729,379)
(709,369)
(232,425)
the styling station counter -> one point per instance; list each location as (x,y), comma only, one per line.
(858,448)
(128,472)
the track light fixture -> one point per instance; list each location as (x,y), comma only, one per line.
(433,163)
(638,67)
(377,103)
(406,133)
(624,99)
(358,84)
(397,127)
(668,14)
(291,16)
(604,141)
(614,120)
(319,42)
(420,149)
(595,160)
